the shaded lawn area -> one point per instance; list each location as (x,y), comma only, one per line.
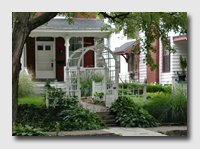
(36,100)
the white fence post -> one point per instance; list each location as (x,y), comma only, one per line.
(93,87)
(55,82)
(144,91)
(173,83)
(78,85)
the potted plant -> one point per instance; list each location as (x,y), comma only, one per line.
(183,65)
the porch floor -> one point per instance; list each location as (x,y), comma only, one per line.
(41,82)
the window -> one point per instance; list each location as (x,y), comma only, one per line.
(166,60)
(75,44)
(118,61)
(47,48)
(40,48)
(130,62)
(135,64)
(44,39)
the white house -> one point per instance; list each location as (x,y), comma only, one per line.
(49,46)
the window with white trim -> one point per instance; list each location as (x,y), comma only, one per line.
(130,62)
(118,61)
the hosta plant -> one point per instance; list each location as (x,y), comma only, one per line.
(130,114)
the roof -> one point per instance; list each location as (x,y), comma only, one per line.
(124,47)
(78,24)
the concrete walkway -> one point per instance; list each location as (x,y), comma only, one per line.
(123,131)
(94,107)
(132,131)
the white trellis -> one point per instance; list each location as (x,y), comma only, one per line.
(74,71)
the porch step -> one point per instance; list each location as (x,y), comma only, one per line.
(108,118)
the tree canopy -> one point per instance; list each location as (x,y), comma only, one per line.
(154,25)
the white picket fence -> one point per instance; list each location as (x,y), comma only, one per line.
(130,92)
(99,87)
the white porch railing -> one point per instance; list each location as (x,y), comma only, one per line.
(182,85)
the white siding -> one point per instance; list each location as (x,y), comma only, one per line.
(142,65)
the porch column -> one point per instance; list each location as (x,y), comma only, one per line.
(171,56)
(67,48)
(66,54)
(22,59)
(95,60)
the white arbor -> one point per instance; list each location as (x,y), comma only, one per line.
(74,70)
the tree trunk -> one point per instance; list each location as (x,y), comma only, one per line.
(22,27)
(19,35)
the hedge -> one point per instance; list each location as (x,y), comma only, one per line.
(150,87)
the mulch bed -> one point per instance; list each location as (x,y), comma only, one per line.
(177,133)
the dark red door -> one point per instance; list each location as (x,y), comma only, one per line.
(60,58)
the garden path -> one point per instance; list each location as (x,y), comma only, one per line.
(94,107)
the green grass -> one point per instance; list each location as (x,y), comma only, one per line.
(36,100)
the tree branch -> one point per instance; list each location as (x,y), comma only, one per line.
(113,18)
(45,17)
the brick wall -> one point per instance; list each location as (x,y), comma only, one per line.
(80,16)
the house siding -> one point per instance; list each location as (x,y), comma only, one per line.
(142,68)
(142,65)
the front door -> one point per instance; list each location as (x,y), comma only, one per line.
(45,60)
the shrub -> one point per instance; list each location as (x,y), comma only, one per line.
(19,130)
(150,87)
(130,114)
(68,115)
(26,86)
(80,119)
(168,107)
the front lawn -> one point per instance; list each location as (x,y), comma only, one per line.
(36,100)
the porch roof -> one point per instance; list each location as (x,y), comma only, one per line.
(124,48)
(78,24)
